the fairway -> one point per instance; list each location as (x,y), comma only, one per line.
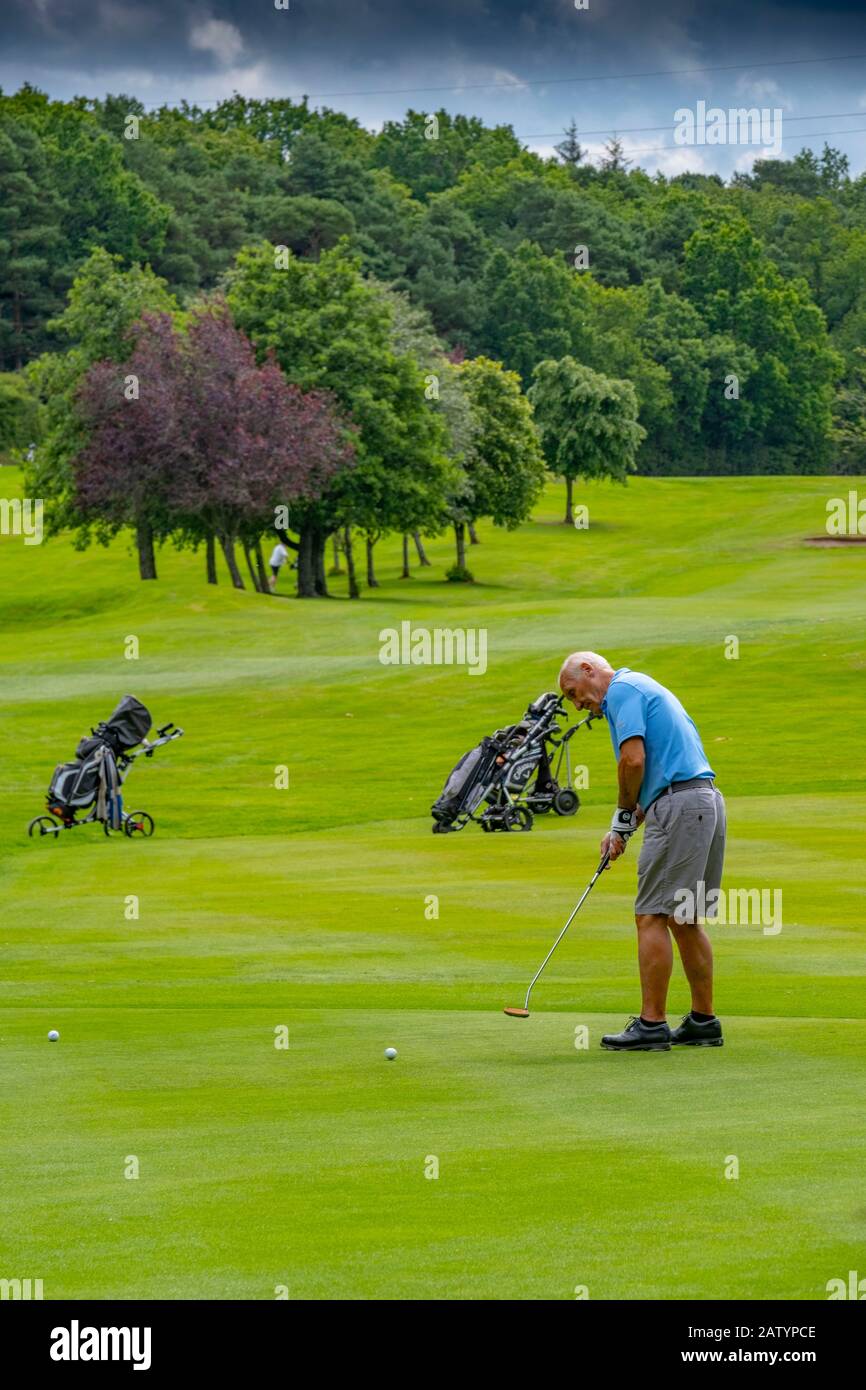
(493,1159)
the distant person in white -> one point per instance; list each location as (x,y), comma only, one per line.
(279,556)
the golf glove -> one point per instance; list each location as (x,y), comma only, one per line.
(624,823)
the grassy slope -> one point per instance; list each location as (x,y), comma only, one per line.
(259,908)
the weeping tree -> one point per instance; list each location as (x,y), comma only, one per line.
(587,423)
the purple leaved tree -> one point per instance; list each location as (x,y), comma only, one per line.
(256,441)
(208,446)
(135,443)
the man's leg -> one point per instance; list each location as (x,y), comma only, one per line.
(655,960)
(696,954)
(649,1033)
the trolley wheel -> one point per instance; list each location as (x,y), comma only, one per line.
(44,825)
(138,823)
(539,808)
(566,802)
(518,818)
(106,828)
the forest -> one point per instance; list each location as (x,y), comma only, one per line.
(400,331)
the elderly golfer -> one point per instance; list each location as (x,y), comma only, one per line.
(666,784)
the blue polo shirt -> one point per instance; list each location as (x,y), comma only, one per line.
(636,705)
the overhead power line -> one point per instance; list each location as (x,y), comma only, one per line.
(646,129)
(516,83)
(803,135)
(596,77)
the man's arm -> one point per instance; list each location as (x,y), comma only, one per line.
(629,771)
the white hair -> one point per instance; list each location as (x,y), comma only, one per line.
(572,663)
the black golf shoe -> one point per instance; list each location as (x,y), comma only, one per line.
(693,1034)
(638,1036)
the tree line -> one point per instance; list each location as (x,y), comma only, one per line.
(437,310)
(304,399)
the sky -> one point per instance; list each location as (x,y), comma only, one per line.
(625,66)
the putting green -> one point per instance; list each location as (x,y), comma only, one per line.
(311,1167)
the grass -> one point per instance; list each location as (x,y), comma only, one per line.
(304,1167)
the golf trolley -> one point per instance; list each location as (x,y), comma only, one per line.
(93,782)
(498,771)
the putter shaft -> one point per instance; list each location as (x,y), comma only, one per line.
(584,895)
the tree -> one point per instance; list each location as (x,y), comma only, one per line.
(306,225)
(429,152)
(849,420)
(741,292)
(533,309)
(103,304)
(484,235)
(104,203)
(805,175)
(503,473)
(444,267)
(210,445)
(276,122)
(445,396)
(402,481)
(614,161)
(252,442)
(331,329)
(122,472)
(383,210)
(587,422)
(834,167)
(570,149)
(20,423)
(33,255)
(721,260)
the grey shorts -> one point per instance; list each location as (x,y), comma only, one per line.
(683,846)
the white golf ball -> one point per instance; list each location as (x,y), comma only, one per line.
(390,1053)
(53,1036)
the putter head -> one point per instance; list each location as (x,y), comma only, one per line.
(516,1013)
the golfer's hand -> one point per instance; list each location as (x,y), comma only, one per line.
(641,814)
(612,844)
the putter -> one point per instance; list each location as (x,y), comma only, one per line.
(524,1012)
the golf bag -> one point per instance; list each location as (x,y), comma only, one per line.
(498,771)
(94,780)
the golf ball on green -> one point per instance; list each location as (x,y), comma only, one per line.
(53,1036)
(390,1053)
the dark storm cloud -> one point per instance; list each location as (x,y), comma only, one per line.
(506,60)
(364,38)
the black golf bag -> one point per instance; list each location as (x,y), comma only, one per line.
(465,789)
(498,772)
(93,781)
